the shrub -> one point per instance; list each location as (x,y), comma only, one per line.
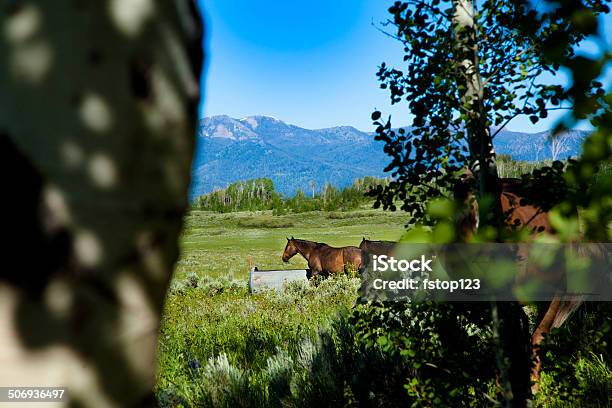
(304,347)
(438,354)
(576,360)
(313,346)
(207,318)
(264,222)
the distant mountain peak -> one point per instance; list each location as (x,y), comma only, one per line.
(254,121)
(225,127)
(259,117)
(232,149)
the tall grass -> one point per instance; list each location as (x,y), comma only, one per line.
(221,346)
(577,366)
(593,388)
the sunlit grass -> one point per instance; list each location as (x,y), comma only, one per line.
(215,244)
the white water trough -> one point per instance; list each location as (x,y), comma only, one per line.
(274,279)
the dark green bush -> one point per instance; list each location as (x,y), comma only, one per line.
(264,222)
(441,353)
(576,360)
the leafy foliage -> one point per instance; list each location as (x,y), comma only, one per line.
(575,21)
(577,362)
(472,67)
(432,344)
(513,47)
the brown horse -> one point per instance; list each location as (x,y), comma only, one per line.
(369,248)
(517,215)
(322,258)
(377,247)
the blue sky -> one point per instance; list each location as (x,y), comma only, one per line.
(311,63)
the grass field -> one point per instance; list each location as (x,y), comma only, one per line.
(220,245)
(221,346)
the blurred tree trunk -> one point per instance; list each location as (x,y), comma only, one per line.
(97,115)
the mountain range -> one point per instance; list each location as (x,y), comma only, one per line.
(231,149)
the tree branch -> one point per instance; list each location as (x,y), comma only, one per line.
(501,65)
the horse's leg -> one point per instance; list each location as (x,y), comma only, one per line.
(543,327)
(555,315)
(314,276)
(315,270)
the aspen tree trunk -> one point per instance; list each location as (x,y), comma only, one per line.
(472,100)
(97,114)
(510,322)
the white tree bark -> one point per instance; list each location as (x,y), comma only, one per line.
(97,113)
(512,336)
(472,95)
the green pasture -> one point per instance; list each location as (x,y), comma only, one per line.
(211,318)
(220,245)
(220,346)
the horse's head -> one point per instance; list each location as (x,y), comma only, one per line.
(364,243)
(290,249)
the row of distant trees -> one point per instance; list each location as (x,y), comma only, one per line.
(259,194)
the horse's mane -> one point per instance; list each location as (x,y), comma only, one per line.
(319,244)
(305,241)
(380,241)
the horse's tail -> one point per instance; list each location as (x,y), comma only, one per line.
(566,308)
(595,252)
(365,260)
(352,256)
(599,274)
